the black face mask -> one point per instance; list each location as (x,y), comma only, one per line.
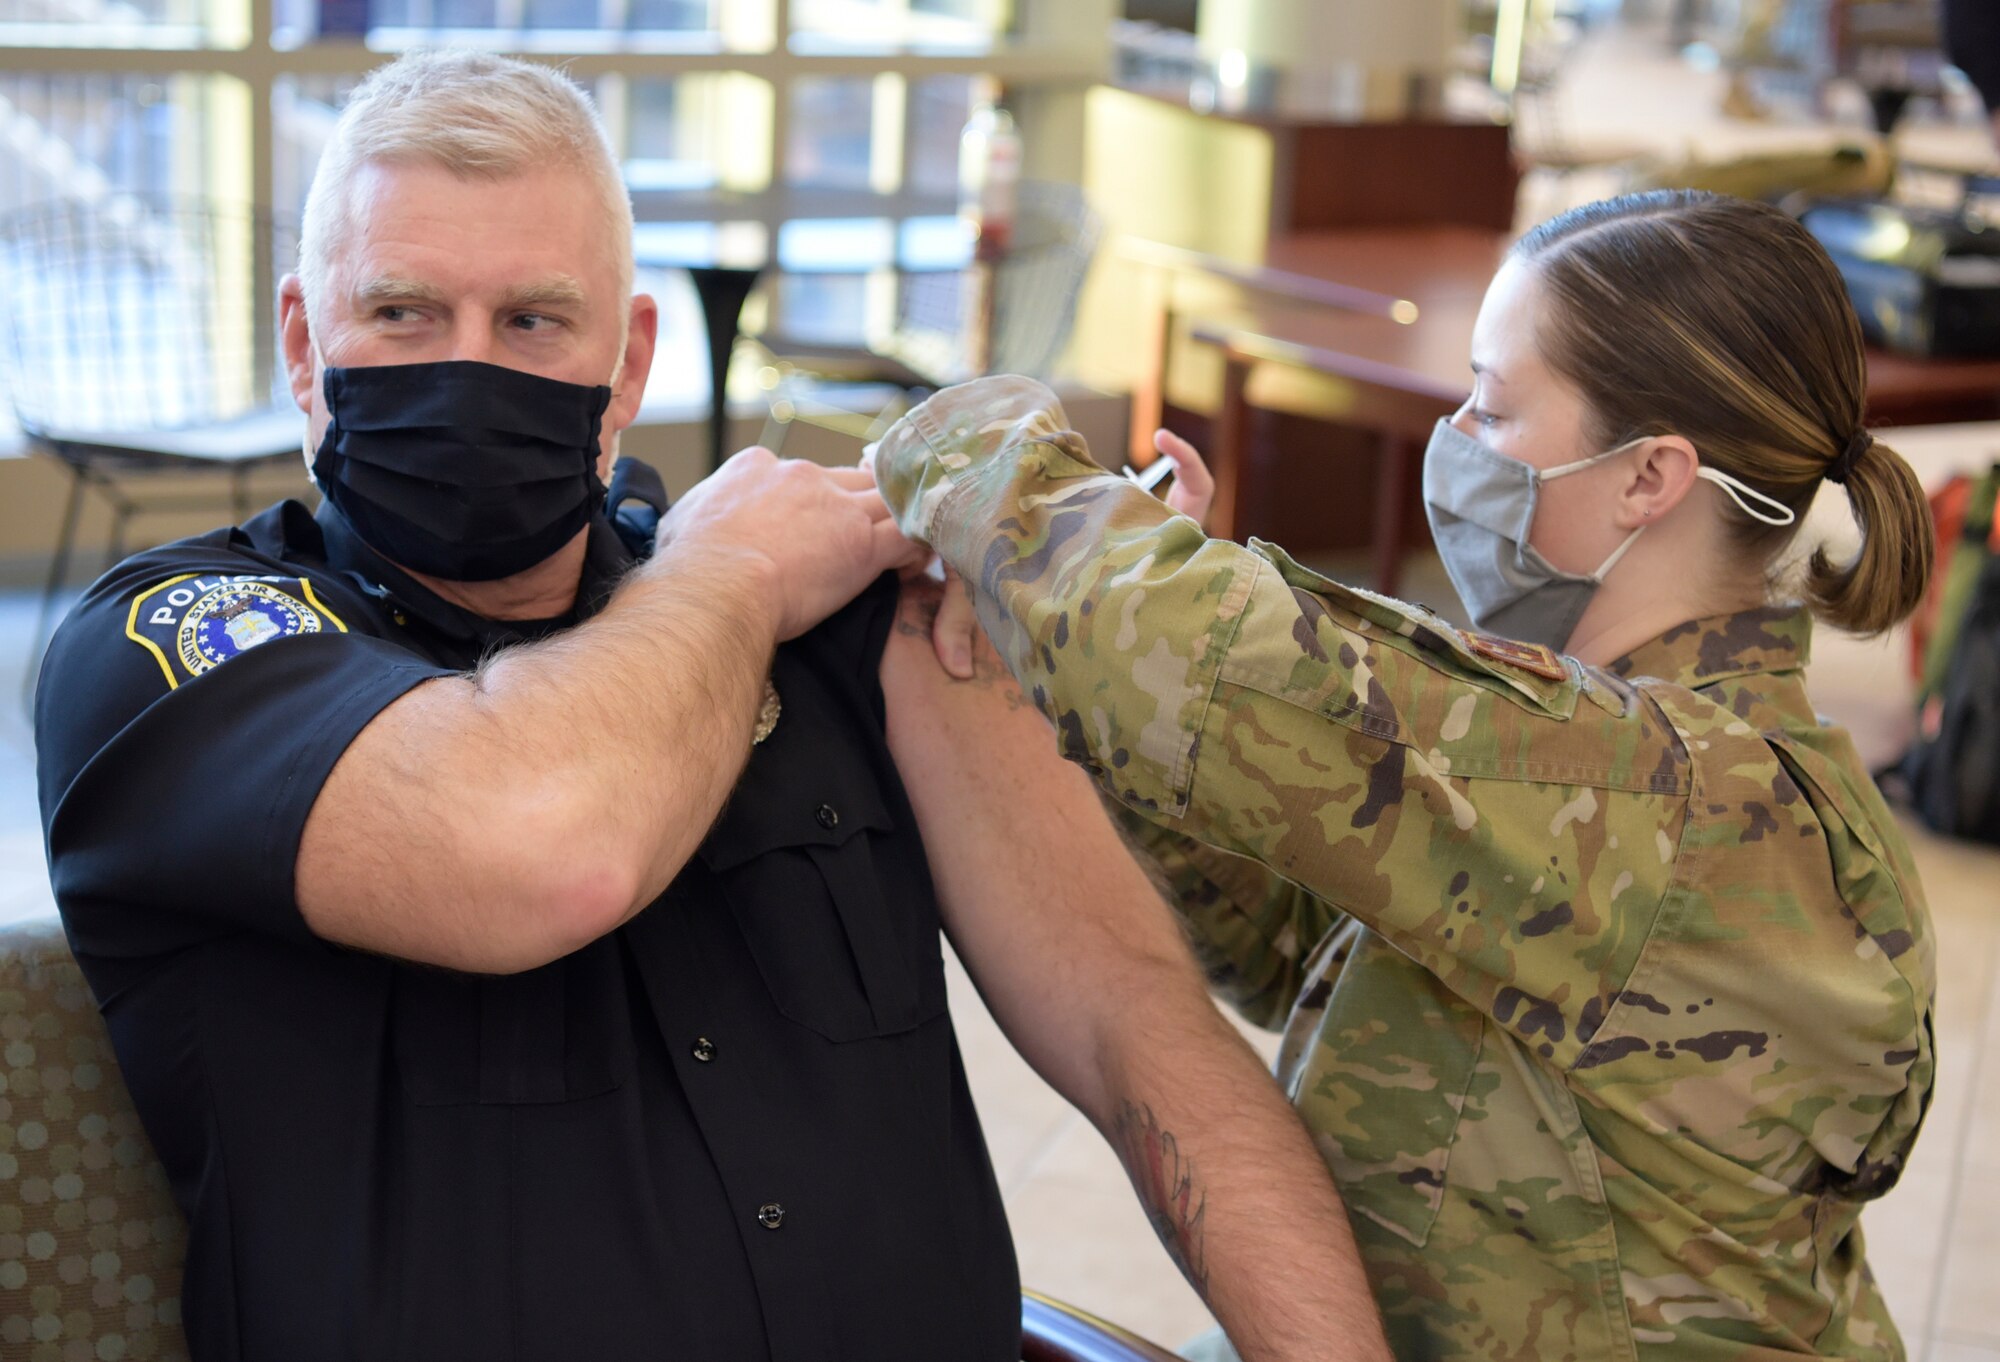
(461,470)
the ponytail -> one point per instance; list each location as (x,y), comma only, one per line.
(1888,578)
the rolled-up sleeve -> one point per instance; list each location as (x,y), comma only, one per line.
(1112,611)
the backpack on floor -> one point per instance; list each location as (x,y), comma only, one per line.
(1953,769)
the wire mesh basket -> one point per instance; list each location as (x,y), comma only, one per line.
(1010,317)
(125,318)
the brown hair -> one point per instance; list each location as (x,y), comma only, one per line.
(1724,322)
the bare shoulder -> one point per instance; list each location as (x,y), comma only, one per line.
(913,676)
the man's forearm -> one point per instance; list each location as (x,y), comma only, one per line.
(647,710)
(1085,971)
(1235,1189)
(499,820)
(663,695)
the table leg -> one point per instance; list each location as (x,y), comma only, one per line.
(1392,492)
(1681,26)
(1149,390)
(722,293)
(1232,449)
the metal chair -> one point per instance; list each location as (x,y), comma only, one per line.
(1054,1332)
(1012,317)
(140,340)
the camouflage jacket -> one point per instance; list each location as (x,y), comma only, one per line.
(1609,990)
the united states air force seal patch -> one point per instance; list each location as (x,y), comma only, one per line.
(195,623)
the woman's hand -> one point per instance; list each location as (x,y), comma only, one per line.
(1193,492)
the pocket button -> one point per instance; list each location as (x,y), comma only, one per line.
(828,817)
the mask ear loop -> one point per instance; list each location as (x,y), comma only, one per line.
(1563,470)
(1617,554)
(1738,492)
(1779,515)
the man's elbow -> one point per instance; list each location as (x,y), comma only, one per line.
(525,893)
(563,889)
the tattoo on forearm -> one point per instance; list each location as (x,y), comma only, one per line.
(917,618)
(917,614)
(1167,1187)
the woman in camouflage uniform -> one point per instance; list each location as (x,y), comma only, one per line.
(1605,975)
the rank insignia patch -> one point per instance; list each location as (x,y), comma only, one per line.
(195,623)
(1533,658)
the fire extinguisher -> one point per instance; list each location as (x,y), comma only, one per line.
(989,179)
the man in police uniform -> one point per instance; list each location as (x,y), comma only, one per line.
(466,1019)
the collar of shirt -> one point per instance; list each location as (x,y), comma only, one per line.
(605,562)
(1769,640)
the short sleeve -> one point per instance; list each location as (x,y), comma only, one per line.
(175,784)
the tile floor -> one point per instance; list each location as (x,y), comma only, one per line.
(1935,1241)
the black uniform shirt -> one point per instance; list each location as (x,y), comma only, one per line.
(736,1128)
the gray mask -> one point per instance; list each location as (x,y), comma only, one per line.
(1482,508)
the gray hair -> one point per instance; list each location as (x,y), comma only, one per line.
(475,114)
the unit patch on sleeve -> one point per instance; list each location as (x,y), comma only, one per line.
(197,622)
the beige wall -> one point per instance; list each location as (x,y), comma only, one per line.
(32,490)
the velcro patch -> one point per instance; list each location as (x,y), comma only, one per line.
(1536,659)
(197,622)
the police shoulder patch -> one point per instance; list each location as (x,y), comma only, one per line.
(196,622)
(1536,659)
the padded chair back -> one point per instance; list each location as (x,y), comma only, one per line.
(91,1243)
(130,316)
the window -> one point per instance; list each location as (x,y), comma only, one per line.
(87,135)
(127,24)
(879,25)
(823,133)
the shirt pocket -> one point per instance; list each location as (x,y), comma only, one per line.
(560,1033)
(839,919)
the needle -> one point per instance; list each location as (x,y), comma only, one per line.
(1156,473)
